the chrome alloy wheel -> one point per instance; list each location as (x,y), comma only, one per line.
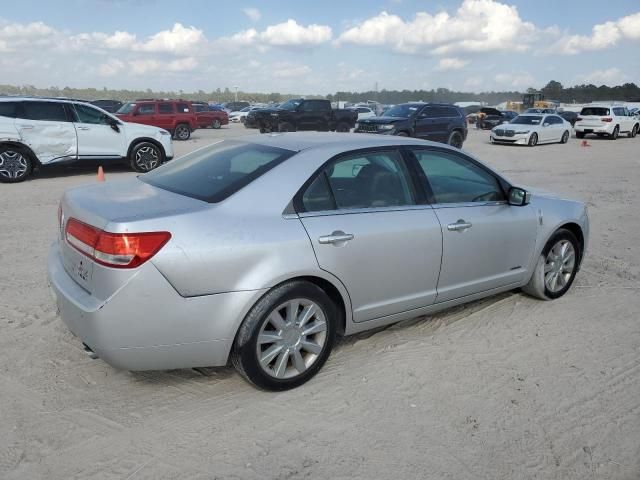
(13,164)
(147,158)
(291,338)
(559,266)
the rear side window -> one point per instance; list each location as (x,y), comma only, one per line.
(218,171)
(8,109)
(50,111)
(165,108)
(598,111)
(368,180)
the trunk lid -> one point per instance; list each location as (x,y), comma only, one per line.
(115,207)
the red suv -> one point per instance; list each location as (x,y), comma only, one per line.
(176,116)
(205,117)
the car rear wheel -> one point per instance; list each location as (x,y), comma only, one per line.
(216,124)
(615,133)
(182,132)
(286,337)
(556,268)
(15,164)
(455,139)
(533,140)
(634,131)
(565,137)
(145,156)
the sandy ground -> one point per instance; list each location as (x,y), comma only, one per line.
(506,388)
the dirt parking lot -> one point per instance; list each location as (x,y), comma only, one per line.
(505,388)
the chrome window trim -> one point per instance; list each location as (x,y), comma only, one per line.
(351,211)
(469,204)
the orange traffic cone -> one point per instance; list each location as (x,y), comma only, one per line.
(585,143)
(100,174)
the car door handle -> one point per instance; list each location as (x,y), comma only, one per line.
(83,128)
(335,237)
(459,226)
(25,126)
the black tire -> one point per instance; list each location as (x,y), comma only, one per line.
(565,137)
(145,156)
(216,124)
(182,132)
(537,286)
(615,133)
(579,134)
(634,131)
(342,127)
(533,140)
(16,164)
(402,134)
(244,355)
(286,127)
(455,139)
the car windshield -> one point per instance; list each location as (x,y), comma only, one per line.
(126,108)
(598,111)
(215,172)
(402,111)
(527,120)
(290,105)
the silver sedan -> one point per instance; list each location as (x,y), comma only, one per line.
(262,250)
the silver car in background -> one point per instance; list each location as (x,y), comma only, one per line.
(261,250)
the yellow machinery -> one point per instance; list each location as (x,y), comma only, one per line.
(531,100)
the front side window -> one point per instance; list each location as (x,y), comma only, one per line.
(216,172)
(368,180)
(455,179)
(87,114)
(48,111)
(147,109)
(126,108)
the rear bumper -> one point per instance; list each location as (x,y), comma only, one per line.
(593,129)
(146,324)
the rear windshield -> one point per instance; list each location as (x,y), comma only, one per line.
(218,171)
(598,111)
(527,120)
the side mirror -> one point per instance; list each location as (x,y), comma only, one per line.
(114,125)
(545,124)
(519,197)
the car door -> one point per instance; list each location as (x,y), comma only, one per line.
(98,134)
(146,114)
(166,115)
(46,128)
(431,124)
(487,243)
(366,229)
(313,115)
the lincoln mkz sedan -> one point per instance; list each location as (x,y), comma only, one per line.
(260,251)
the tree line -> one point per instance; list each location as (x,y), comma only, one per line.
(552,91)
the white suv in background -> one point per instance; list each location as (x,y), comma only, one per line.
(39,131)
(606,120)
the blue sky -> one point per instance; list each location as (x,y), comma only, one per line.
(319,47)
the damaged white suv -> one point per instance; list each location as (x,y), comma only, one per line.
(42,131)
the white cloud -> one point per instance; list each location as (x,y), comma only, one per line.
(253,13)
(515,80)
(179,39)
(289,70)
(447,64)
(603,35)
(609,76)
(111,68)
(286,34)
(478,25)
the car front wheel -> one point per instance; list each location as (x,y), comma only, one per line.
(145,156)
(533,140)
(286,337)
(556,268)
(565,137)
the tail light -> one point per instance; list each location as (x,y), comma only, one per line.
(116,250)
(606,119)
(578,119)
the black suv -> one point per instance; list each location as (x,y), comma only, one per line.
(439,122)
